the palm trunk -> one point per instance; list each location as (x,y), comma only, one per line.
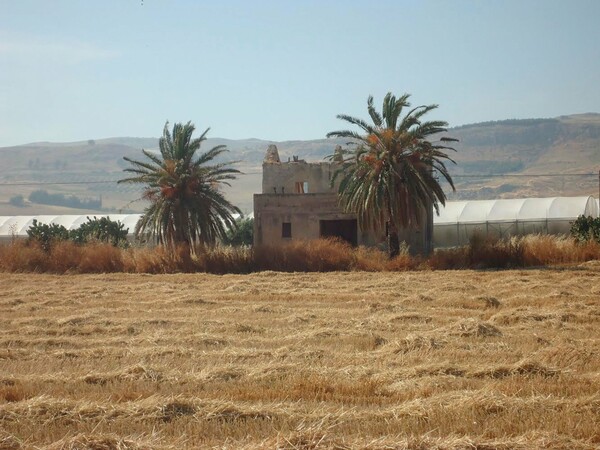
(392,232)
(182,230)
(393,240)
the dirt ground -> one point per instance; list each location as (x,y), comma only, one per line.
(415,360)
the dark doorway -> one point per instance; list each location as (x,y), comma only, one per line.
(343,229)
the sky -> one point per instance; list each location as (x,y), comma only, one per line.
(282,70)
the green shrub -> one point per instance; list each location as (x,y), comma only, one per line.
(586,229)
(243,234)
(100,230)
(95,230)
(46,234)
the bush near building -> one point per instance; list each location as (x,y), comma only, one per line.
(586,229)
(242,234)
(95,230)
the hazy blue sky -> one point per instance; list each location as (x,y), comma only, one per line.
(278,70)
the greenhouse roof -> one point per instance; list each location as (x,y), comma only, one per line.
(18,225)
(518,209)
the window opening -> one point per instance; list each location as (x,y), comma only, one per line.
(286,230)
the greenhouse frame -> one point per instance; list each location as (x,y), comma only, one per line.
(502,218)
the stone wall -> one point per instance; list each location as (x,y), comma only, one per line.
(303,212)
(296,177)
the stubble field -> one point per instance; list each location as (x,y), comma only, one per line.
(415,360)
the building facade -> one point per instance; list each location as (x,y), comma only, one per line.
(299,201)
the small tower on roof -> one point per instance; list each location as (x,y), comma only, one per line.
(272,155)
(338,154)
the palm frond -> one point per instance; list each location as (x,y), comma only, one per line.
(375,116)
(391,175)
(186,205)
(355,121)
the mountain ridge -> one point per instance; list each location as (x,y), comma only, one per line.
(119,139)
(566,145)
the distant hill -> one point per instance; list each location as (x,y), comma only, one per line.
(562,145)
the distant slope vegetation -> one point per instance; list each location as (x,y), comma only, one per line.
(563,145)
(531,141)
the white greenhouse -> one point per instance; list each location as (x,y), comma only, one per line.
(508,217)
(17,226)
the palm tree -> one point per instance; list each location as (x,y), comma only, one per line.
(186,205)
(390,172)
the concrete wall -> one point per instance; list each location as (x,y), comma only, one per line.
(281,178)
(303,211)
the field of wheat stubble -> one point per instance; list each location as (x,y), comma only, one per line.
(411,360)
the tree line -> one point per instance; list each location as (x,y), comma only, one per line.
(45,198)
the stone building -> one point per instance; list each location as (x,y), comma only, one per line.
(298,201)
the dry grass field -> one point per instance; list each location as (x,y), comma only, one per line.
(410,360)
